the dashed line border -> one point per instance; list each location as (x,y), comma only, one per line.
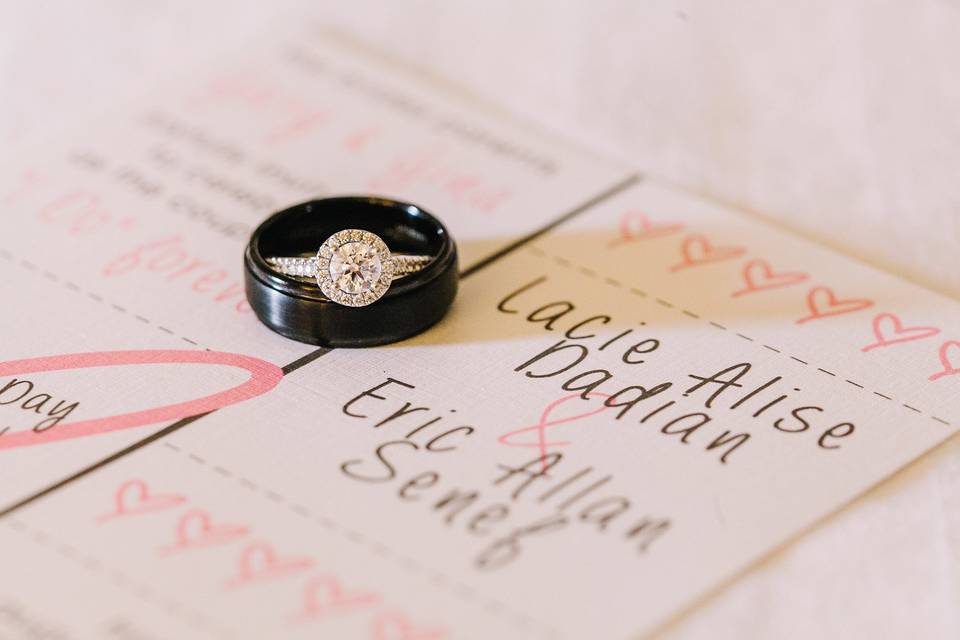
(73,286)
(119,579)
(441,580)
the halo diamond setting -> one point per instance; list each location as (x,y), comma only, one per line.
(354,267)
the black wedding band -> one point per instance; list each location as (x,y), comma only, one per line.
(295,307)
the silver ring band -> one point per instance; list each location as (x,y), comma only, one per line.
(352,267)
(308,267)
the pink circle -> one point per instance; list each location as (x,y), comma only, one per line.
(264,376)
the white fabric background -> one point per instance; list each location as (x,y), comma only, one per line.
(839,119)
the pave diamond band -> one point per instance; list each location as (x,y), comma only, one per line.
(307,267)
(353,267)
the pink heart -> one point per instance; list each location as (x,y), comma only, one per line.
(133,497)
(259,561)
(823,303)
(949,369)
(325,595)
(637,226)
(196,529)
(697,250)
(396,626)
(759,276)
(903,334)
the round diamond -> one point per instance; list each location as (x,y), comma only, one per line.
(355,267)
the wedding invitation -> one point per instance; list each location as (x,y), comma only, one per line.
(637,394)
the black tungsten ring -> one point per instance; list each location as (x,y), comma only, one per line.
(351,271)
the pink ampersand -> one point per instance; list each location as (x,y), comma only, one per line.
(539,430)
(264,376)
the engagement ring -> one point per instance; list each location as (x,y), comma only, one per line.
(353,267)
